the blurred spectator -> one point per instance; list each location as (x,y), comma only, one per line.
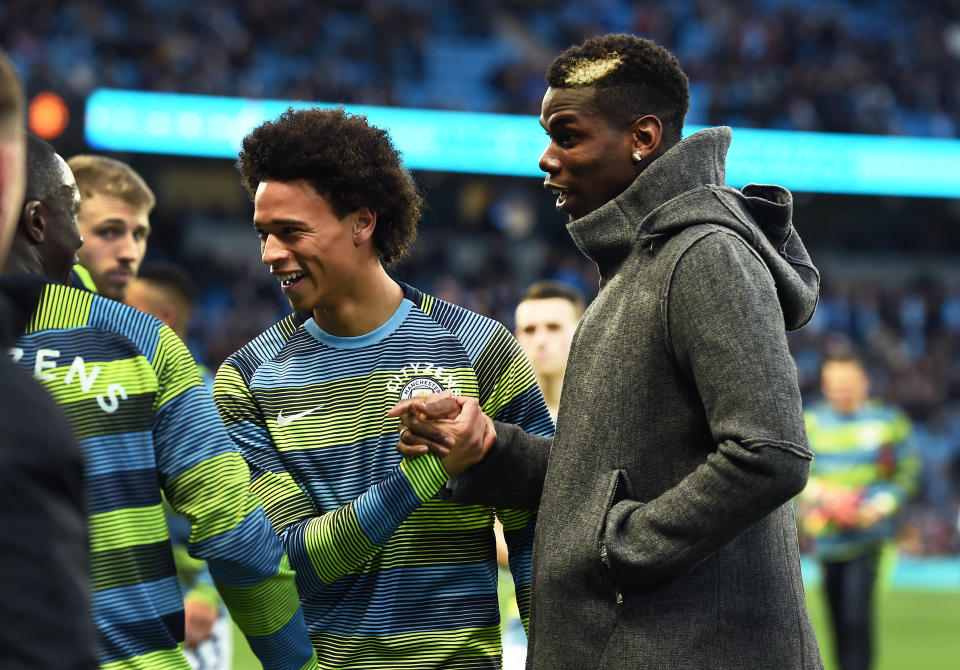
(885,67)
(864,471)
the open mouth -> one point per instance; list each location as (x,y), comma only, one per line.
(289,279)
(561,197)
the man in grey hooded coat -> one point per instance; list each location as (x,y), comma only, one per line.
(666,537)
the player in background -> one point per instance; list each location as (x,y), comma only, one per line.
(114,222)
(390,575)
(545,321)
(166,291)
(132,393)
(864,471)
(45,600)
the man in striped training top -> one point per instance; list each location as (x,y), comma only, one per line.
(390,575)
(132,394)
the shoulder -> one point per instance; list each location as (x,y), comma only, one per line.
(65,308)
(712,258)
(462,323)
(266,345)
(877,410)
(712,245)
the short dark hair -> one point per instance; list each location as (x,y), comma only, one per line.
(348,161)
(11,100)
(847,355)
(549,288)
(43,178)
(633,77)
(170,277)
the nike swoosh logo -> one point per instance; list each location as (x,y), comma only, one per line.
(286,420)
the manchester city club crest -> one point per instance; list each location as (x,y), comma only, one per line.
(420,387)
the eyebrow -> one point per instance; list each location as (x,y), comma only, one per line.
(560,118)
(114,222)
(278,222)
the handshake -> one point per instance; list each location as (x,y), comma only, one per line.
(453,428)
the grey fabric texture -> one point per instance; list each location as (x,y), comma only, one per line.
(666,537)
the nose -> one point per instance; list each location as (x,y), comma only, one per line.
(271,250)
(548,161)
(540,337)
(128,252)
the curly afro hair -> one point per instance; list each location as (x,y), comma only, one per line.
(633,77)
(348,161)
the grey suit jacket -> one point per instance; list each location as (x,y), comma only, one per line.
(666,537)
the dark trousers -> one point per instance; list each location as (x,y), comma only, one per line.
(850,587)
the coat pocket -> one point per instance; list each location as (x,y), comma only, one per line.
(618,488)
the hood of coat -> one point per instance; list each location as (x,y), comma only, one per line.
(684,188)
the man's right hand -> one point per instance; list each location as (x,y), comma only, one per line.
(452,427)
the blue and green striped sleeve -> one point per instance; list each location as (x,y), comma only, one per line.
(323,547)
(207,480)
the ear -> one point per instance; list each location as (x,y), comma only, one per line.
(647,133)
(364,223)
(168,314)
(32,223)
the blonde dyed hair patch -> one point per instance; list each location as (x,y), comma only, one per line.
(586,71)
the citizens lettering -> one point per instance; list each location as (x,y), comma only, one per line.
(422,370)
(46,359)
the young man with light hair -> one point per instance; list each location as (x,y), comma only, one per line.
(114,222)
(546,319)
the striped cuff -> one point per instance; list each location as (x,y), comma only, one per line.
(426,475)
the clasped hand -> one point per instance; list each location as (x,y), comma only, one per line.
(454,428)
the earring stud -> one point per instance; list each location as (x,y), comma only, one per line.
(637,156)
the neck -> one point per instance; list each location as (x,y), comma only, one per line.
(364,309)
(22,262)
(550,387)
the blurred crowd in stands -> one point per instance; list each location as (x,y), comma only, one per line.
(865,66)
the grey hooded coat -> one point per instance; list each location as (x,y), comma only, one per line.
(666,538)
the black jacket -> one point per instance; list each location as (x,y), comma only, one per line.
(44,556)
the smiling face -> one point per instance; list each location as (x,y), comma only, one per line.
(309,249)
(588,160)
(114,241)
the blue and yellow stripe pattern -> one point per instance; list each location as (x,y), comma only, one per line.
(136,403)
(390,576)
(868,455)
